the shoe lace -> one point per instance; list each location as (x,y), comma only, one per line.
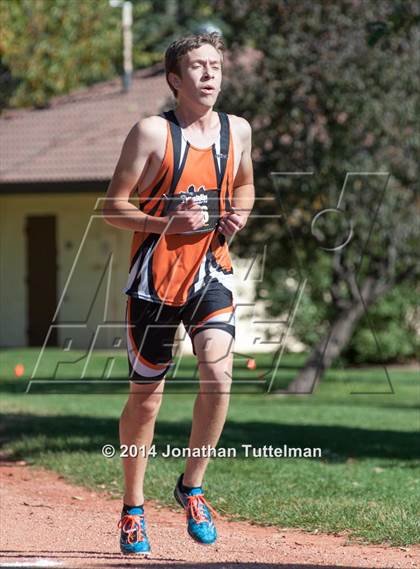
(196,505)
(131,523)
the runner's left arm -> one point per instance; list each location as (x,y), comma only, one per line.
(243,187)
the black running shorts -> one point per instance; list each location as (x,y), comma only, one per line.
(151,328)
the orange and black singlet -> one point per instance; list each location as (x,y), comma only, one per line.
(171,269)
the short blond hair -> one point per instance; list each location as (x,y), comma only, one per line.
(178,48)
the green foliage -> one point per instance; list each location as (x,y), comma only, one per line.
(393,319)
(333,92)
(53,47)
(157,22)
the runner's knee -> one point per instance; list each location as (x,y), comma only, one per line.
(216,378)
(145,405)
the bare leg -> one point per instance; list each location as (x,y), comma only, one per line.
(214,353)
(137,425)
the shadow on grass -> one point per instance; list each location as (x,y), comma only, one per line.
(334,392)
(73,433)
(117,386)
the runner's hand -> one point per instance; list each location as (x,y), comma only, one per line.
(231,222)
(186,217)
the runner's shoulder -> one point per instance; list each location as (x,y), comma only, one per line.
(241,125)
(151,130)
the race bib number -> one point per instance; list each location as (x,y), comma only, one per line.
(209,202)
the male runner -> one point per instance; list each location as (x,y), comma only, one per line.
(191,169)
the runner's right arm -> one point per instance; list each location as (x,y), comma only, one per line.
(131,167)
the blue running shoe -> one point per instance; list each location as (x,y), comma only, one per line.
(198,511)
(133,539)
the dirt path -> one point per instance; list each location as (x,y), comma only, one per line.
(45,522)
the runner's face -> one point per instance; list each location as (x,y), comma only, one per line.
(201,71)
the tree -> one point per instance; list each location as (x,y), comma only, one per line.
(52,47)
(335,92)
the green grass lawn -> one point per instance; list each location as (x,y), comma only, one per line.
(367,481)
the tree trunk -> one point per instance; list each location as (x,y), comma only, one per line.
(325,352)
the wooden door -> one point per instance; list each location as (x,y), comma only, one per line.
(41,278)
